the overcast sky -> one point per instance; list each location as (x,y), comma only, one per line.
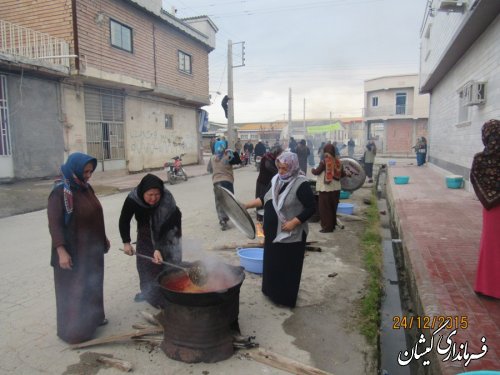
(322,49)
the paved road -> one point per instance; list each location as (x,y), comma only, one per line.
(311,334)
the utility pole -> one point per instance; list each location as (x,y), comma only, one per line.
(304,123)
(290,133)
(230,104)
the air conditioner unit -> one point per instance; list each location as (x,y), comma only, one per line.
(451,5)
(474,93)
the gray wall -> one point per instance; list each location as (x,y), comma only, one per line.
(36,130)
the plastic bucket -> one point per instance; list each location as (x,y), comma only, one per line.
(345,208)
(344,194)
(251,259)
(454,182)
(401,180)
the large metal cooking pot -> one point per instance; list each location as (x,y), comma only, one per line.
(201,298)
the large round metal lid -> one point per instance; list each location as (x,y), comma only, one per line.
(235,211)
(355,174)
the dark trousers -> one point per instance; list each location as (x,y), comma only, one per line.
(328,203)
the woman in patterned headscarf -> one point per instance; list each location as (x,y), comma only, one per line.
(485,179)
(288,204)
(79,242)
(328,187)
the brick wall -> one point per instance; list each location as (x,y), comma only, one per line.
(52,17)
(154,57)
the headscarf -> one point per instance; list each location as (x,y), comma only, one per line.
(293,172)
(72,179)
(332,165)
(149,181)
(163,237)
(292,162)
(485,170)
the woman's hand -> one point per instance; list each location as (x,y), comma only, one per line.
(290,225)
(108,244)
(256,203)
(157,256)
(128,249)
(65,261)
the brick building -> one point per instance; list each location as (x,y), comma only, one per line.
(122,80)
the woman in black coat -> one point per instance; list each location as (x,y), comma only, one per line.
(158,233)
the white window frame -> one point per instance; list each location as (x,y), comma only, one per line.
(374,101)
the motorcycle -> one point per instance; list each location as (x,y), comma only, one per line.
(174,170)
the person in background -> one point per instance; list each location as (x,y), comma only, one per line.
(237,146)
(302,152)
(369,159)
(268,170)
(79,242)
(421,151)
(222,175)
(485,179)
(329,172)
(321,150)
(159,233)
(248,149)
(350,147)
(212,144)
(288,204)
(292,144)
(260,149)
(310,158)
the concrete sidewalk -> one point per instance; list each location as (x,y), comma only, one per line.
(440,229)
(30,195)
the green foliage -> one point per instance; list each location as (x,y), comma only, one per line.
(371,244)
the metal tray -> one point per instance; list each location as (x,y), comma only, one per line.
(235,211)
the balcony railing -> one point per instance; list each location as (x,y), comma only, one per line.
(33,47)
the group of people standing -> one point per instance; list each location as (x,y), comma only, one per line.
(79,243)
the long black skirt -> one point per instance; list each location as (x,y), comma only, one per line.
(282,271)
(148,271)
(79,298)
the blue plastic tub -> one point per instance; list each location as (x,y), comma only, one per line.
(344,194)
(251,259)
(401,180)
(454,182)
(481,372)
(345,208)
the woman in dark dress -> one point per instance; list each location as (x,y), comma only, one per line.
(288,204)
(76,225)
(158,233)
(266,172)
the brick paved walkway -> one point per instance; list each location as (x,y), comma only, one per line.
(440,230)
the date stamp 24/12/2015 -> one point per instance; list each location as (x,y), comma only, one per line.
(430,322)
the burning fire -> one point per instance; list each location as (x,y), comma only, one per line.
(258,230)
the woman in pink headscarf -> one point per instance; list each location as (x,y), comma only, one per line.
(288,204)
(485,178)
